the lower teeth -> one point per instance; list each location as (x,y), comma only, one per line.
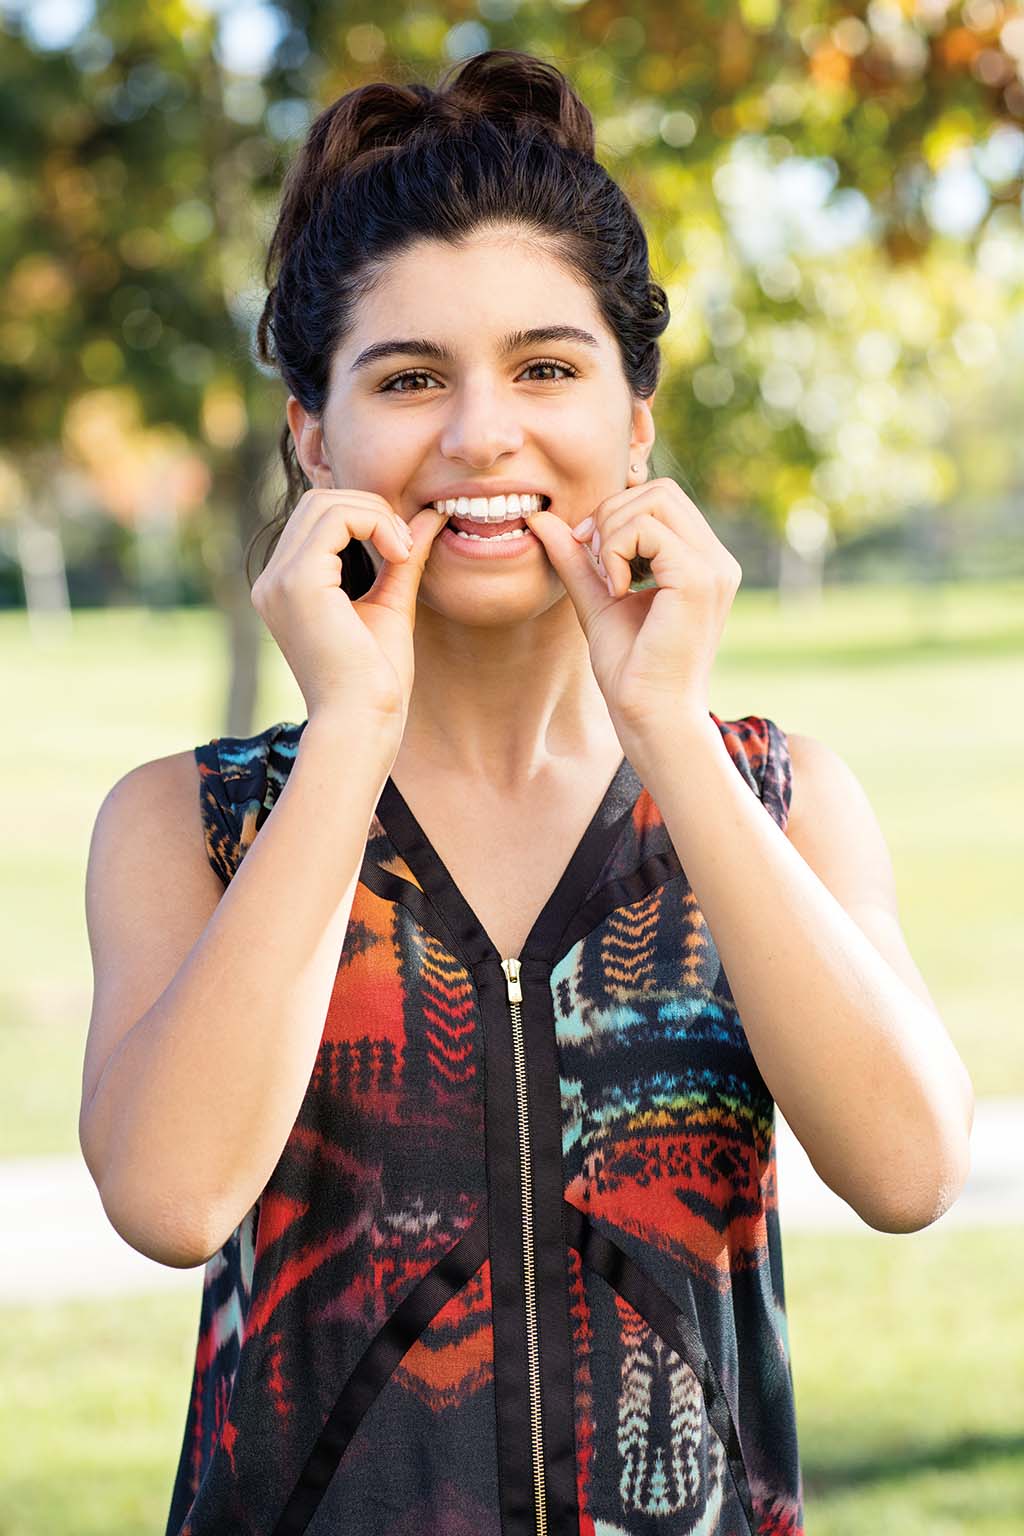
(490,538)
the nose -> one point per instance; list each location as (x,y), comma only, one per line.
(482,424)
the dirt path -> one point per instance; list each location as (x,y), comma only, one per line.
(59,1242)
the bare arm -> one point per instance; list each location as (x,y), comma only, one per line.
(209,1003)
(839,1021)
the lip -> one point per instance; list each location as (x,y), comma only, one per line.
(486,549)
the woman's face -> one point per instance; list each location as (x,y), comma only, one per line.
(453,402)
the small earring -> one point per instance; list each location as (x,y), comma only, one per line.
(635,468)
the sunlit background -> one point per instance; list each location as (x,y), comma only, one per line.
(833,198)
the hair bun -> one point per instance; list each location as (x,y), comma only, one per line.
(365,123)
(503,85)
(508,86)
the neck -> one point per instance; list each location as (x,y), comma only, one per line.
(504,706)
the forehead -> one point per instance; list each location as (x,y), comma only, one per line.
(498,281)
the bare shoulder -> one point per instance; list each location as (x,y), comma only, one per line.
(148,841)
(151,815)
(834,827)
(174,774)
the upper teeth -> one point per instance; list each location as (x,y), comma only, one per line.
(489,509)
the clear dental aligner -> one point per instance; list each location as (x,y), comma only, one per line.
(493,509)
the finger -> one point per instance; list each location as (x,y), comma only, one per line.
(668,502)
(573,562)
(397,583)
(311,507)
(648,535)
(333,519)
(656,500)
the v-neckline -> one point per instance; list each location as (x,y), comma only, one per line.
(404,831)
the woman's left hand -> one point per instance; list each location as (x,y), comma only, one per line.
(652,650)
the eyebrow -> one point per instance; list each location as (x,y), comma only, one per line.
(515,341)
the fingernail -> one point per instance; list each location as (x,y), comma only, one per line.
(582,529)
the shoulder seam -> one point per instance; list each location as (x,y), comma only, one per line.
(266,740)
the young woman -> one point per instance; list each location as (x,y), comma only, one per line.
(459,1070)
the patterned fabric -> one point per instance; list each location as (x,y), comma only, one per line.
(518,1270)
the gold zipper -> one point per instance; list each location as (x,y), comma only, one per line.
(515,997)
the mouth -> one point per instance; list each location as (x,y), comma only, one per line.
(489,530)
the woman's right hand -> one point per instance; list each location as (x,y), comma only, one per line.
(347,657)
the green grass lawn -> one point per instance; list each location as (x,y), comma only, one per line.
(908,1363)
(918,690)
(908,1352)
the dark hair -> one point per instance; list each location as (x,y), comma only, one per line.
(505,140)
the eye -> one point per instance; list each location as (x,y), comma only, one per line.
(418,373)
(410,373)
(549,362)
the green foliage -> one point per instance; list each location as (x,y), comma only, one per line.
(841,348)
(896,1434)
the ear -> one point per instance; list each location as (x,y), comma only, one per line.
(307,434)
(642,430)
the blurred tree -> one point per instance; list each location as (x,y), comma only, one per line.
(832,194)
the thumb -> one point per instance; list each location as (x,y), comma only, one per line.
(573,561)
(398,581)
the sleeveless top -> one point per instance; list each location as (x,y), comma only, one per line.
(518,1270)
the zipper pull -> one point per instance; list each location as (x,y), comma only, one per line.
(511,969)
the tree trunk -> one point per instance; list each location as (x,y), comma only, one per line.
(801,575)
(243,494)
(43,572)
